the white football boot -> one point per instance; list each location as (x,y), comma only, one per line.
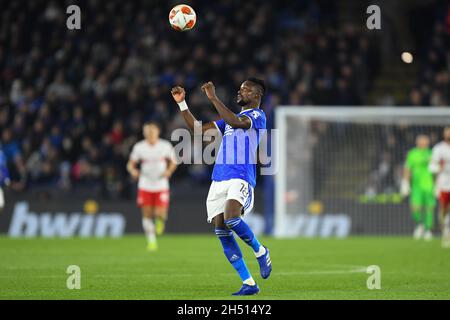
(428,236)
(418,232)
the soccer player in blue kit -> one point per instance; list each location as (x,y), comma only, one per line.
(231,193)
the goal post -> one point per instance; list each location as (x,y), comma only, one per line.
(340,168)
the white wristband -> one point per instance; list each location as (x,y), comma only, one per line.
(183,105)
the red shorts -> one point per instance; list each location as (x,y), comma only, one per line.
(444,199)
(153,199)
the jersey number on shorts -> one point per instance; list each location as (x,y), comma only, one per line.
(244,190)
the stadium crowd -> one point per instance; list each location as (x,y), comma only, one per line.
(433,85)
(73,102)
(431,89)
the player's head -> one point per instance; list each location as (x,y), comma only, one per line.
(251,91)
(422,141)
(447,134)
(151,131)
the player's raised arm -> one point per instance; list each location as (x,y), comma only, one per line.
(226,114)
(179,95)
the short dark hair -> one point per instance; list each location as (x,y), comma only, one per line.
(258,82)
(153,123)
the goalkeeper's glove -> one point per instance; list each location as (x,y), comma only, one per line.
(405,188)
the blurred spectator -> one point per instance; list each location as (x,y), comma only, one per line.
(434,77)
(73,102)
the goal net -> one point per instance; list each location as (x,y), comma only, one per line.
(340,168)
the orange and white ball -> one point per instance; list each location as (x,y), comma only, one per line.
(182,17)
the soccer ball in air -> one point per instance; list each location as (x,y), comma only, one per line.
(182,17)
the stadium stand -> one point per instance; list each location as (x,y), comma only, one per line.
(72,102)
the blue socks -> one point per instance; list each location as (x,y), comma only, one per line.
(233,252)
(244,232)
(231,247)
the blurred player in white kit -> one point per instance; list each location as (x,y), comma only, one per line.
(152,161)
(440,166)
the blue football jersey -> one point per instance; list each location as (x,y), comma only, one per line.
(237,155)
(4,173)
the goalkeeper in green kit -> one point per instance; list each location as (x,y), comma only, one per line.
(418,182)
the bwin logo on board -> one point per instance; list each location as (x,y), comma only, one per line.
(25,223)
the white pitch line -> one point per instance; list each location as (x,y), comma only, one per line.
(359,269)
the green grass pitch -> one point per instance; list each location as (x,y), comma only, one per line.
(194,267)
